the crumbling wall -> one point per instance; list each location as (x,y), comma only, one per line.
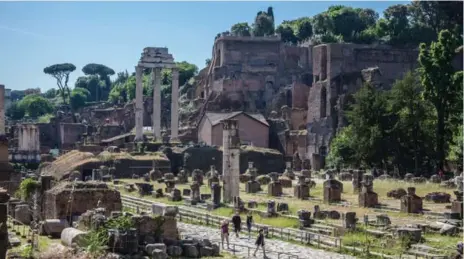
(85,196)
(339,71)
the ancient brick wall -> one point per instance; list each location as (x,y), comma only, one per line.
(339,71)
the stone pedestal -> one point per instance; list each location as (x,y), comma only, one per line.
(457,205)
(271,209)
(357,180)
(197,176)
(332,191)
(252,186)
(304,218)
(413,234)
(289,171)
(195,193)
(216,194)
(274,189)
(301,190)
(411,203)
(349,220)
(368,198)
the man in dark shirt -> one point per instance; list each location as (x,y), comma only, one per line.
(260,243)
(249,222)
(237,221)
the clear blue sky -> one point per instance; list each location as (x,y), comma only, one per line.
(34,35)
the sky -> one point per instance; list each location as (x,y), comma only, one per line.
(34,35)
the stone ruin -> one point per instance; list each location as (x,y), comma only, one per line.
(457,204)
(332,191)
(250,172)
(4,198)
(182,177)
(213,176)
(289,171)
(82,195)
(357,180)
(195,193)
(411,203)
(252,186)
(302,189)
(367,197)
(274,188)
(197,176)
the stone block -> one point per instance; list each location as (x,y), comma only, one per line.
(174,251)
(159,254)
(151,247)
(413,234)
(206,251)
(186,192)
(274,189)
(368,199)
(252,187)
(190,251)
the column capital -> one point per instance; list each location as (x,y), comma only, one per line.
(175,72)
(138,69)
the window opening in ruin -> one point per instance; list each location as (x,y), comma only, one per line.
(323,151)
(272,64)
(323,107)
(202,94)
(85,173)
(289,98)
(217,62)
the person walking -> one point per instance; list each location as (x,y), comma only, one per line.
(225,233)
(237,221)
(249,222)
(260,243)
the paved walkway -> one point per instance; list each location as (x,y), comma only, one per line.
(202,232)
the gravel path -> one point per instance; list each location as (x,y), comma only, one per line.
(273,245)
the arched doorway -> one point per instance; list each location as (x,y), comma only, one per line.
(323,107)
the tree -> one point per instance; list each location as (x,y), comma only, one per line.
(36,105)
(442,87)
(103,72)
(207,62)
(93,84)
(370,123)
(50,93)
(286,34)
(437,15)
(79,97)
(15,111)
(61,73)
(264,25)
(241,29)
(304,29)
(412,137)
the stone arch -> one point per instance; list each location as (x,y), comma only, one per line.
(323,99)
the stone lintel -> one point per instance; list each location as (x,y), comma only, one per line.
(157,65)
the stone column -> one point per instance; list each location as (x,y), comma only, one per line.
(231,160)
(156,77)
(138,103)
(175,105)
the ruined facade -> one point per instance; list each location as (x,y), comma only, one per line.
(339,71)
(256,74)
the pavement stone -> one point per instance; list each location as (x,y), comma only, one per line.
(203,232)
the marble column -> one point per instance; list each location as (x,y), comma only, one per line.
(2,110)
(175,105)
(138,103)
(157,104)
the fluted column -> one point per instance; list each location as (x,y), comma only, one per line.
(156,79)
(175,105)
(138,103)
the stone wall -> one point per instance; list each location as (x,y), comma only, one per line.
(339,71)
(85,196)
